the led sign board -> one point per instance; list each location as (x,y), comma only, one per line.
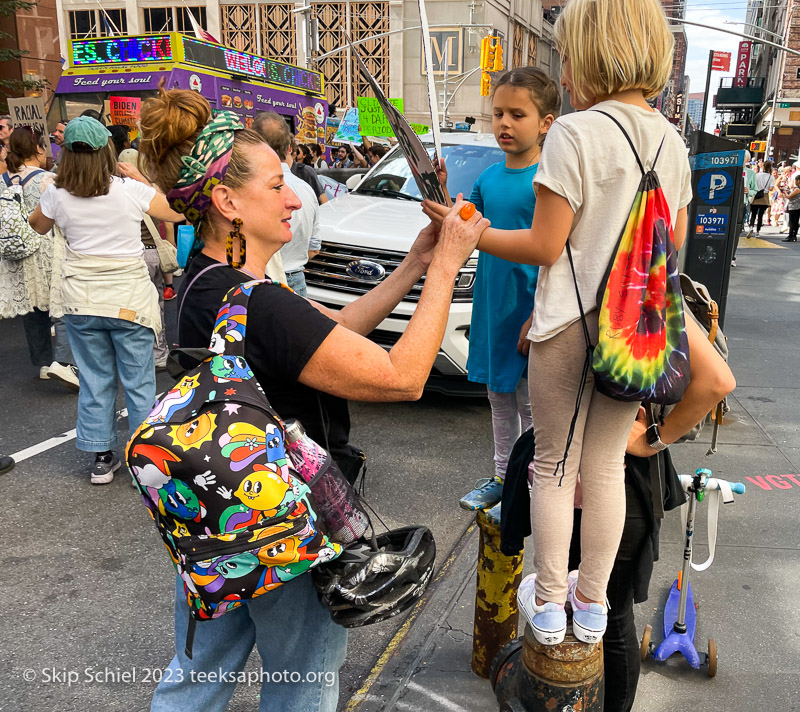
(121,50)
(251,65)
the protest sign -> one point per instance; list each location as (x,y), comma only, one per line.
(125,111)
(348,128)
(29,111)
(372,120)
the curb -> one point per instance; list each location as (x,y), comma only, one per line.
(402,656)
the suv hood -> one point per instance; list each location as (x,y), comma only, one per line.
(371,221)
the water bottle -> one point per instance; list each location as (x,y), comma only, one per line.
(344,520)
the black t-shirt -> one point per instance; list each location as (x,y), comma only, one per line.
(283,333)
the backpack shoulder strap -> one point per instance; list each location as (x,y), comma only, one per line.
(630,143)
(7,179)
(230,328)
(31,175)
(191,284)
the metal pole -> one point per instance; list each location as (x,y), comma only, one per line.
(735,34)
(349,57)
(444,88)
(708,86)
(781,57)
(496,612)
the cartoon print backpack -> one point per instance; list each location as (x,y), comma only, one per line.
(18,239)
(211,467)
(642,351)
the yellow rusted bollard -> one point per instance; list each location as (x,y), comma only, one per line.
(496,612)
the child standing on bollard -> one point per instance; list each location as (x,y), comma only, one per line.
(525,103)
(616,55)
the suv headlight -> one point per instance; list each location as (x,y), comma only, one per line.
(465,282)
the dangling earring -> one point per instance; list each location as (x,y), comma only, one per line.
(236,233)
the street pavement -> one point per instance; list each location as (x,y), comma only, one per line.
(747,600)
(87,583)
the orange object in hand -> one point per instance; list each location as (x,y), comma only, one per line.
(467,211)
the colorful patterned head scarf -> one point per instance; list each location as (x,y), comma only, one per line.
(205,166)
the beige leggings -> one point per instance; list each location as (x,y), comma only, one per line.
(597,452)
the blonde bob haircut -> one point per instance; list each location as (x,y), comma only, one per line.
(615,45)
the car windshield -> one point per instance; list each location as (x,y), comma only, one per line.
(464,164)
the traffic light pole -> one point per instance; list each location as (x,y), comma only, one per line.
(702,126)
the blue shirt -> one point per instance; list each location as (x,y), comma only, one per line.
(504,291)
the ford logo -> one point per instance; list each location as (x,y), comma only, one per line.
(366,271)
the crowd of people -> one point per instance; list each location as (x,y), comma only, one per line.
(546,221)
(771,196)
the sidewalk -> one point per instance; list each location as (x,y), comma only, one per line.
(746,600)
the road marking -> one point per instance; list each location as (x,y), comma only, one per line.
(443,701)
(745,242)
(50,443)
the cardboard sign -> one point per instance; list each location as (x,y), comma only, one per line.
(125,110)
(348,128)
(372,120)
(419,161)
(29,111)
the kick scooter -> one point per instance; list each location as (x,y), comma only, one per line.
(680,616)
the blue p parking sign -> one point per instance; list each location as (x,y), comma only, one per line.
(715,187)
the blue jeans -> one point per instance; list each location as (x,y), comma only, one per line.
(108,351)
(294,634)
(297,281)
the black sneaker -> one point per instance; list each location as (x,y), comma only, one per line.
(6,464)
(104,468)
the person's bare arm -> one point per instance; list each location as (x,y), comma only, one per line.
(350,366)
(679,229)
(160,210)
(711,381)
(39,222)
(541,245)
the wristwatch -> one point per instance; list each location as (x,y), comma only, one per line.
(654,438)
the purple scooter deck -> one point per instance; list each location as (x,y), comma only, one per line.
(679,642)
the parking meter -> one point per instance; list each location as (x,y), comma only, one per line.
(715,213)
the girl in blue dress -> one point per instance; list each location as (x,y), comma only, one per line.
(524,105)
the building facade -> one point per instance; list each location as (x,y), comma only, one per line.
(34,31)
(281,30)
(694,107)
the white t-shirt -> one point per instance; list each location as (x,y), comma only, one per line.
(106,225)
(587,160)
(304,224)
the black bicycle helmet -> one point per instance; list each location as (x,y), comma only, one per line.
(364,586)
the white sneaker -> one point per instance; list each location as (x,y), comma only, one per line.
(548,622)
(65,374)
(44,373)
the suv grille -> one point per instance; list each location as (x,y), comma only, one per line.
(328,271)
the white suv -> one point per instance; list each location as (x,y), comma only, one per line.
(367,233)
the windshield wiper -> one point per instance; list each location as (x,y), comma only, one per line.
(388,193)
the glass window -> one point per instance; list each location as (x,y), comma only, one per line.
(184,24)
(158,19)
(82,23)
(112,22)
(464,164)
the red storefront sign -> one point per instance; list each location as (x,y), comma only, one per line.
(743,63)
(721,62)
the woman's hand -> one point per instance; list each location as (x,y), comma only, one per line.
(128,170)
(435,211)
(523,345)
(424,246)
(637,438)
(458,237)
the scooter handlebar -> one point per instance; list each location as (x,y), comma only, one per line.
(712,483)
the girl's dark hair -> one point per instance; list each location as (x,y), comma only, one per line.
(22,145)
(767,167)
(544,92)
(120,137)
(316,149)
(85,173)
